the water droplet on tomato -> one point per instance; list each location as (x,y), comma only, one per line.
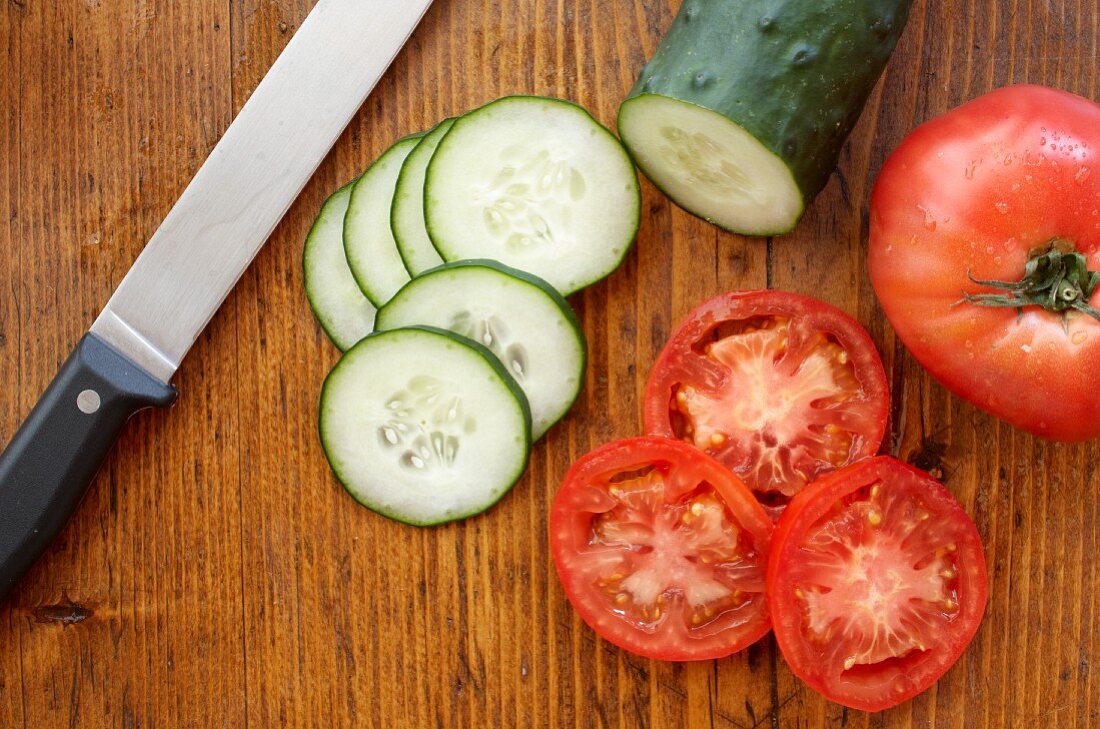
(1082,174)
(1026,348)
(1002,207)
(970,169)
(1042,141)
(1079,337)
(996,259)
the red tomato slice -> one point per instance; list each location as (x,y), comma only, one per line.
(972,193)
(877,582)
(780,388)
(661,550)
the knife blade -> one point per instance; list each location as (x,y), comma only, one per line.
(240,193)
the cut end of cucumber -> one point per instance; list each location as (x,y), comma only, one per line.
(710,166)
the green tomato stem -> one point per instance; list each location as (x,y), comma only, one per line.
(1056,278)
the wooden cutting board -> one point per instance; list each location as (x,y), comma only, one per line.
(217,576)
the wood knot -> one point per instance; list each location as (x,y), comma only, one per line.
(65,612)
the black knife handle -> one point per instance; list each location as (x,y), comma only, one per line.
(58,449)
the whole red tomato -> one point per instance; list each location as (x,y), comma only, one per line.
(985,231)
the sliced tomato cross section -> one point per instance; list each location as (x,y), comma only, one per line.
(662,550)
(780,388)
(877,582)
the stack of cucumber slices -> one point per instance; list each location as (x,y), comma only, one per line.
(441,273)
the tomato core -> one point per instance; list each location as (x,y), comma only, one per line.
(887,590)
(777,407)
(665,556)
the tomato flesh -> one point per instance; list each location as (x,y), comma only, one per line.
(883,589)
(780,388)
(773,415)
(878,583)
(661,550)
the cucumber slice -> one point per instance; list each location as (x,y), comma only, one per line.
(368,241)
(520,318)
(343,312)
(537,184)
(407,215)
(424,426)
(741,113)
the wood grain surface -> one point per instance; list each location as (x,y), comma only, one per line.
(216,575)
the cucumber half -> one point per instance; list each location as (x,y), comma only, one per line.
(520,318)
(742,111)
(407,214)
(537,184)
(368,240)
(424,426)
(343,312)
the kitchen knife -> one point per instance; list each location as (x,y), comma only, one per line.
(125,362)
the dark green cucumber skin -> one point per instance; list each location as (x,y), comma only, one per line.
(795,74)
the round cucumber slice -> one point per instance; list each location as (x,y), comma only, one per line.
(368,240)
(407,214)
(537,184)
(710,165)
(424,426)
(519,317)
(343,312)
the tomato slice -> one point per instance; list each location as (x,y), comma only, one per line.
(780,388)
(661,550)
(877,583)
